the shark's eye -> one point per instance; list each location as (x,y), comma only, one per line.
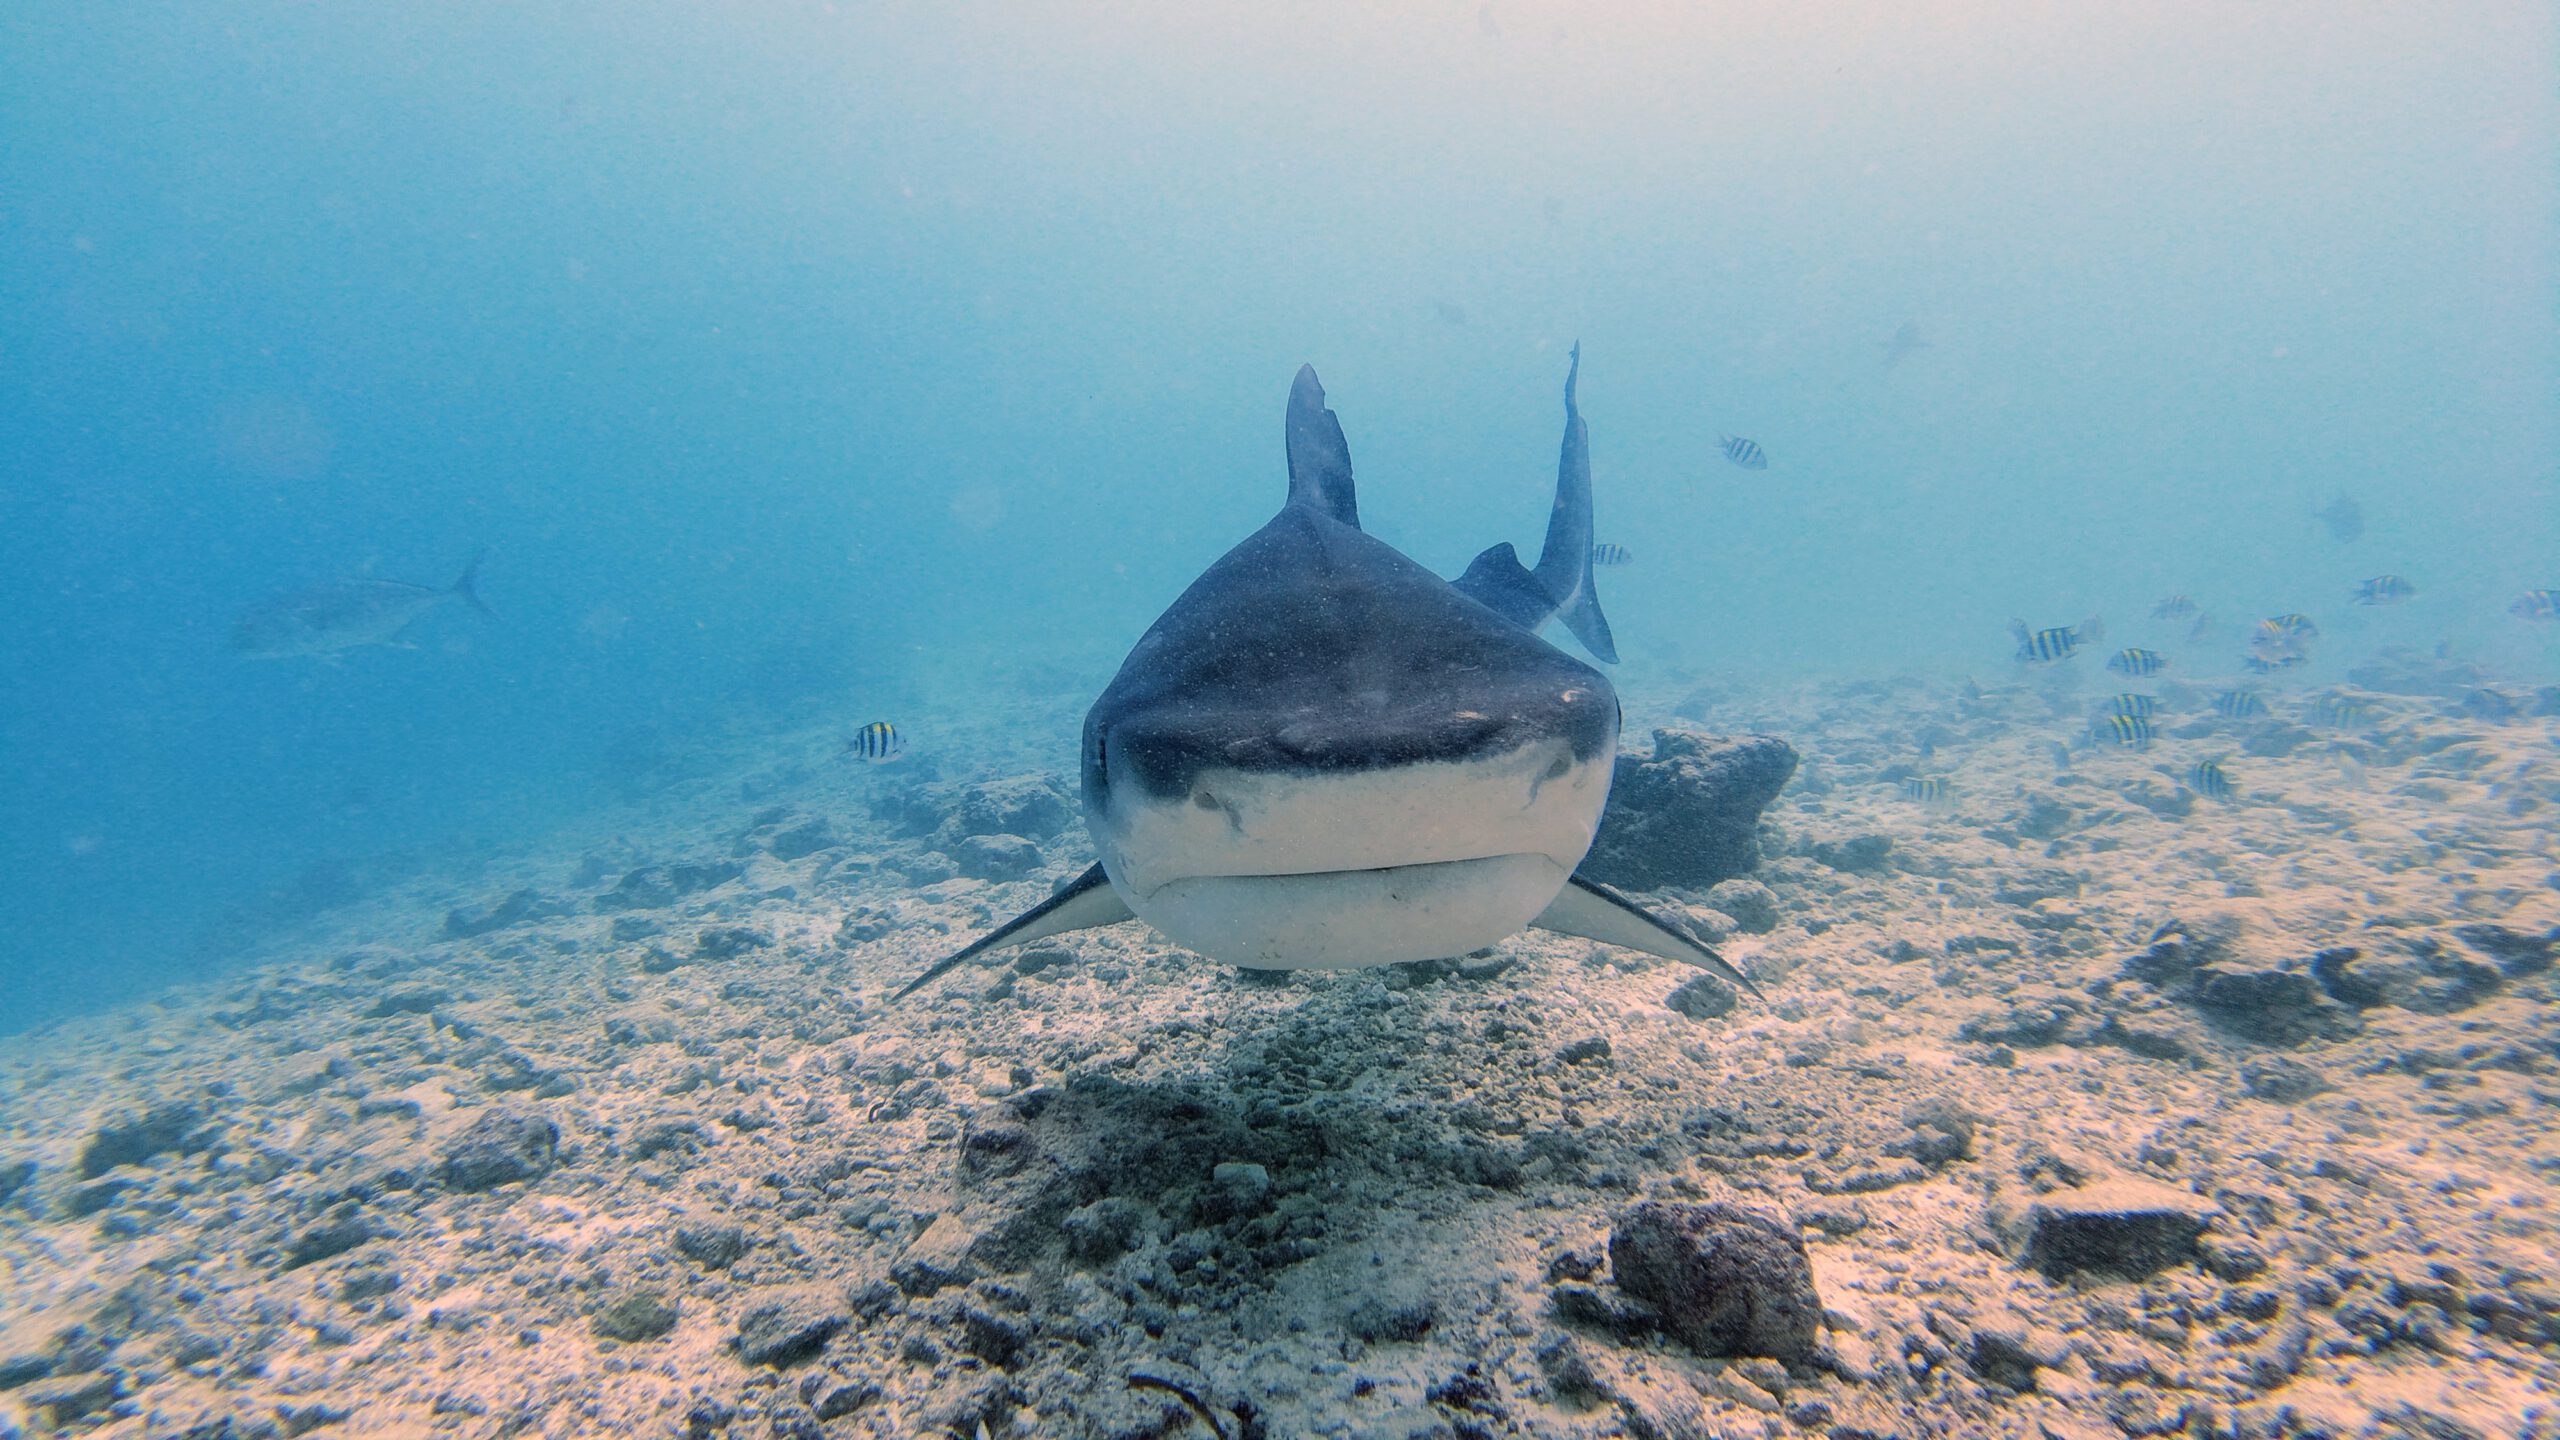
(1095,764)
(1558,769)
(1204,799)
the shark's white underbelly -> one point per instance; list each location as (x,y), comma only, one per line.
(1368,867)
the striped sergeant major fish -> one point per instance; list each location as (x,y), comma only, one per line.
(2291,629)
(2383,590)
(2205,778)
(2536,605)
(2176,607)
(2134,660)
(2239,705)
(877,742)
(2055,642)
(1607,554)
(1745,453)
(2341,712)
(2133,732)
(2140,707)
(1927,789)
(2269,664)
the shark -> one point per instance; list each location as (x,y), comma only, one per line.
(1325,755)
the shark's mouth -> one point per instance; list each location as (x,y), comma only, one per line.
(1335,918)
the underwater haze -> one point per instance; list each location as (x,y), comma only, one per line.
(902,721)
(812,363)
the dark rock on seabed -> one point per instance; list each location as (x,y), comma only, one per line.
(500,1148)
(1726,1281)
(1688,814)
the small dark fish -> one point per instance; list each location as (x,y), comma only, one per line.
(2200,629)
(2206,779)
(2536,605)
(326,619)
(877,742)
(2061,757)
(2384,590)
(2239,704)
(2130,731)
(1607,554)
(1927,789)
(1906,342)
(2270,664)
(2141,707)
(2054,642)
(2137,661)
(2176,607)
(2345,519)
(2292,628)
(1745,453)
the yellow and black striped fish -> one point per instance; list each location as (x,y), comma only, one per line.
(2176,607)
(2054,642)
(2239,705)
(2383,590)
(2340,712)
(1607,554)
(2536,605)
(877,742)
(2206,779)
(2135,660)
(2292,628)
(2133,732)
(1928,789)
(1744,453)
(2139,707)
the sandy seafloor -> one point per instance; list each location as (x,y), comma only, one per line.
(995,1202)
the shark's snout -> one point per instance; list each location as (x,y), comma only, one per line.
(1352,865)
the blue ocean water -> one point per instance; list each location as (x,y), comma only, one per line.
(788,359)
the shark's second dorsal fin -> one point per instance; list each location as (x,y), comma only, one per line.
(1319,458)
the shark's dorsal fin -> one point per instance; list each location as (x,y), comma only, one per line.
(1319,458)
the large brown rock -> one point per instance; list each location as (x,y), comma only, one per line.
(1724,1280)
(1688,814)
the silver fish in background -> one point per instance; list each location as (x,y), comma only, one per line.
(1608,554)
(2340,712)
(2345,519)
(878,742)
(2383,590)
(1744,453)
(2055,642)
(1906,342)
(345,614)
(2176,607)
(2536,605)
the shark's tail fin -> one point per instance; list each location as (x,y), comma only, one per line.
(467,588)
(1560,588)
(1564,563)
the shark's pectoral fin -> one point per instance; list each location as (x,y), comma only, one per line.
(1596,912)
(1087,901)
